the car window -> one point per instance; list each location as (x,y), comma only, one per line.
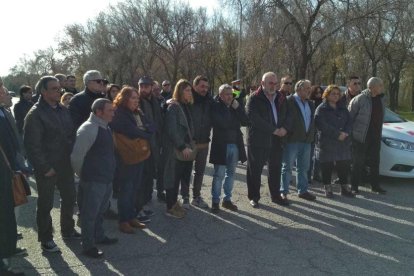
(391,117)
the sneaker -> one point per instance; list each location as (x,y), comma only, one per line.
(378,190)
(186,203)
(328,191)
(73,236)
(175,212)
(149,213)
(142,217)
(93,253)
(108,241)
(215,208)
(355,190)
(229,205)
(20,251)
(307,196)
(199,202)
(254,203)
(346,192)
(50,246)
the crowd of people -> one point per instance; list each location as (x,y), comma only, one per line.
(119,141)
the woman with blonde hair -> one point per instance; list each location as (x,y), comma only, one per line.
(178,150)
(65,99)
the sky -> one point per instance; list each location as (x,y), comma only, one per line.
(30,25)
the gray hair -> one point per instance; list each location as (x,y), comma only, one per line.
(268,74)
(91,75)
(374,81)
(224,87)
(99,104)
(301,83)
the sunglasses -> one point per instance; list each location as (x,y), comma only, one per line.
(288,83)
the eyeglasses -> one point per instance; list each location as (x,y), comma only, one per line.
(288,83)
(99,81)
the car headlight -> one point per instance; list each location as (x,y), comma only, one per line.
(398,144)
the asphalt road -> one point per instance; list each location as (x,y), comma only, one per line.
(369,235)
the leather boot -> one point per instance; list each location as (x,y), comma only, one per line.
(124,227)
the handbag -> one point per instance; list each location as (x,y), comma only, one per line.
(19,184)
(132,151)
(192,145)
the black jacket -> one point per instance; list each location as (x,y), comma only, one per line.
(201,114)
(80,106)
(20,111)
(48,136)
(295,125)
(262,126)
(226,122)
(125,123)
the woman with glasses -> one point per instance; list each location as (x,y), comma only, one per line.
(333,126)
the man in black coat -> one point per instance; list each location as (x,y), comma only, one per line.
(227,146)
(202,128)
(80,104)
(48,139)
(266,115)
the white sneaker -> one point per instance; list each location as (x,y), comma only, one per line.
(199,202)
(50,246)
(186,203)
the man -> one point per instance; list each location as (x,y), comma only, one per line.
(166,90)
(301,133)
(152,110)
(71,84)
(353,89)
(238,93)
(48,138)
(80,104)
(201,113)
(286,86)
(8,227)
(227,146)
(367,115)
(264,144)
(93,160)
(62,82)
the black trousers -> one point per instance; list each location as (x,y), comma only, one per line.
(342,169)
(144,191)
(363,154)
(256,159)
(183,176)
(63,180)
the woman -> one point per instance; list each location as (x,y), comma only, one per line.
(65,99)
(23,106)
(314,168)
(111,91)
(130,122)
(334,126)
(179,133)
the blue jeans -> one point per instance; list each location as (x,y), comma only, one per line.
(130,179)
(95,198)
(225,172)
(301,153)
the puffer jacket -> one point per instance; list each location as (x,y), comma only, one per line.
(360,109)
(48,136)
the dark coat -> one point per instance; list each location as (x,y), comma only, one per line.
(201,114)
(295,125)
(226,119)
(329,123)
(8,138)
(176,135)
(152,110)
(259,111)
(8,227)
(20,111)
(125,123)
(80,106)
(48,137)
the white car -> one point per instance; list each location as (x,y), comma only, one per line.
(397,148)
